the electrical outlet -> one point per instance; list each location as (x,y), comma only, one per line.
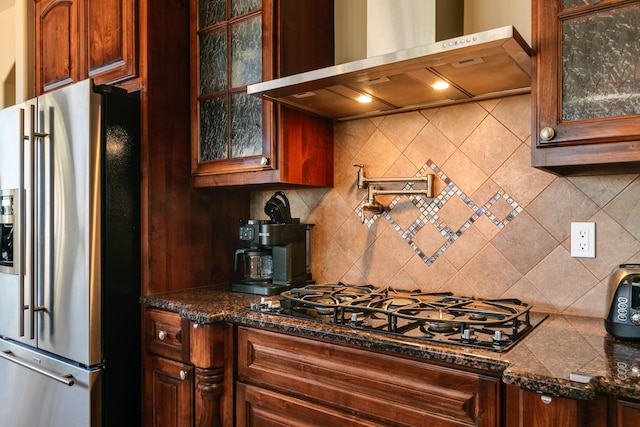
(583,239)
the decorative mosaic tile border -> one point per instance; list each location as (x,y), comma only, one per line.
(429,213)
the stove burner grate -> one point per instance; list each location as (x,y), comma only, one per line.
(495,324)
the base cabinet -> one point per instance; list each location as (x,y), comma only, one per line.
(286,380)
(169,392)
(529,409)
(627,413)
(185,371)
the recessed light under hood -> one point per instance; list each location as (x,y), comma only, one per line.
(476,66)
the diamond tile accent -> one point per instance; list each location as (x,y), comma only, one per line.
(429,213)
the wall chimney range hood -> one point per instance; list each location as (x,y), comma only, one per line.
(476,66)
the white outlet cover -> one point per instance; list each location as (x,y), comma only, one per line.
(587,247)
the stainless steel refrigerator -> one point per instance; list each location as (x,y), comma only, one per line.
(70,259)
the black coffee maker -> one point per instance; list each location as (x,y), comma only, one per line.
(277,252)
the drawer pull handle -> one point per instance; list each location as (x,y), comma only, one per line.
(66,379)
(183,375)
(546,399)
(162,335)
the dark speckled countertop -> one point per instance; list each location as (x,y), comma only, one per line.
(565,356)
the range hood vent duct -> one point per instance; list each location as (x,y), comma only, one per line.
(476,66)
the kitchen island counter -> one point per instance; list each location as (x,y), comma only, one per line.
(567,356)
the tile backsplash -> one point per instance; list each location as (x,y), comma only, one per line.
(497,228)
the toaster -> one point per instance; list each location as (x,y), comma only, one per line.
(623,320)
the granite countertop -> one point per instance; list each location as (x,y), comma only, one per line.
(565,356)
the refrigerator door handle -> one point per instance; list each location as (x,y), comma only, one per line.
(66,379)
(27,215)
(36,256)
(20,232)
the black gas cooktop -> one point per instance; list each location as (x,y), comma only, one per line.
(494,324)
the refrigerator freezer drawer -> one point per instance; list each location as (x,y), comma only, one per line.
(41,391)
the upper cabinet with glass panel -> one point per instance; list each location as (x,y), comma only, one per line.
(586,86)
(240,139)
(230,57)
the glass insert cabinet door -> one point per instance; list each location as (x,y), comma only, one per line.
(588,71)
(231,130)
(600,63)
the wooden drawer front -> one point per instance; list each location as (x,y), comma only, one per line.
(166,334)
(261,407)
(381,387)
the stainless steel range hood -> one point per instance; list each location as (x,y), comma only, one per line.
(476,66)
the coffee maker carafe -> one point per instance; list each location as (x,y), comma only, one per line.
(257,265)
(276,253)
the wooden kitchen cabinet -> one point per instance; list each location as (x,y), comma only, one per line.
(586,86)
(298,381)
(240,139)
(168,392)
(185,370)
(529,409)
(627,413)
(79,39)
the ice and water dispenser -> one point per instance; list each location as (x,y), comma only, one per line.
(8,223)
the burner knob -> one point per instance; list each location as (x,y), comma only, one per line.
(497,336)
(635,318)
(467,334)
(354,317)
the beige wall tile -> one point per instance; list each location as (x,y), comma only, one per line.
(593,303)
(490,272)
(377,155)
(432,144)
(466,247)
(402,128)
(514,113)
(458,121)
(489,145)
(524,243)
(430,278)
(559,205)
(464,172)
(519,179)
(602,189)
(459,285)
(561,278)
(377,265)
(353,134)
(625,208)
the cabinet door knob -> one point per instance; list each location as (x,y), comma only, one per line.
(546,399)
(264,161)
(162,335)
(183,375)
(547,134)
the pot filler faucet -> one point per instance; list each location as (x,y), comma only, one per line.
(372,205)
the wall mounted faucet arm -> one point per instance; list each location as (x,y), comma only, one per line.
(363,181)
(372,205)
